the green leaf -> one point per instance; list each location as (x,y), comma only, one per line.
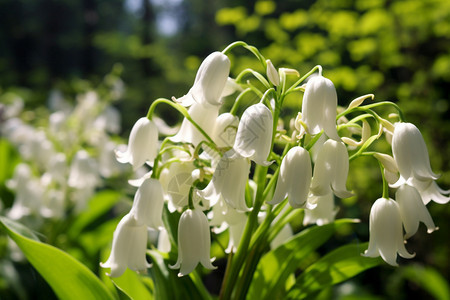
(429,279)
(274,268)
(130,283)
(335,267)
(68,278)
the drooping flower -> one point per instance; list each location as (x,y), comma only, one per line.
(254,134)
(319,107)
(294,178)
(324,212)
(228,181)
(331,170)
(386,233)
(128,247)
(194,242)
(148,204)
(142,144)
(411,155)
(209,82)
(412,210)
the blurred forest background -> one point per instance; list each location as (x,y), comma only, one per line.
(397,50)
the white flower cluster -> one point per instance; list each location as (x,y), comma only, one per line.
(62,160)
(205,170)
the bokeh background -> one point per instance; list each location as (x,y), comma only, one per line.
(397,50)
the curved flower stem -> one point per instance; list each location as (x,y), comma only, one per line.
(238,101)
(182,110)
(257,75)
(250,48)
(374,105)
(385,183)
(318,67)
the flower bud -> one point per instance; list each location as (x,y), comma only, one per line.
(272,73)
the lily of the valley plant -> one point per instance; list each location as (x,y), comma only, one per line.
(237,172)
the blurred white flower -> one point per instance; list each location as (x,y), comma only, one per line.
(28,193)
(229,181)
(331,170)
(254,134)
(83,171)
(412,210)
(319,107)
(194,242)
(294,178)
(142,144)
(164,241)
(386,234)
(128,247)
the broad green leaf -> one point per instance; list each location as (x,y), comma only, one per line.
(274,268)
(7,161)
(335,267)
(68,278)
(130,283)
(429,279)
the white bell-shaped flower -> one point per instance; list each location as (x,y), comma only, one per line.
(128,247)
(210,81)
(324,212)
(294,178)
(411,154)
(254,134)
(386,233)
(142,144)
(412,210)
(194,242)
(229,181)
(148,204)
(331,170)
(319,107)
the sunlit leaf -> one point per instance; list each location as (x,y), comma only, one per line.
(131,284)
(68,278)
(275,267)
(335,267)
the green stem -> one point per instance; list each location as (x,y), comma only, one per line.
(385,183)
(250,48)
(182,110)
(318,67)
(238,101)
